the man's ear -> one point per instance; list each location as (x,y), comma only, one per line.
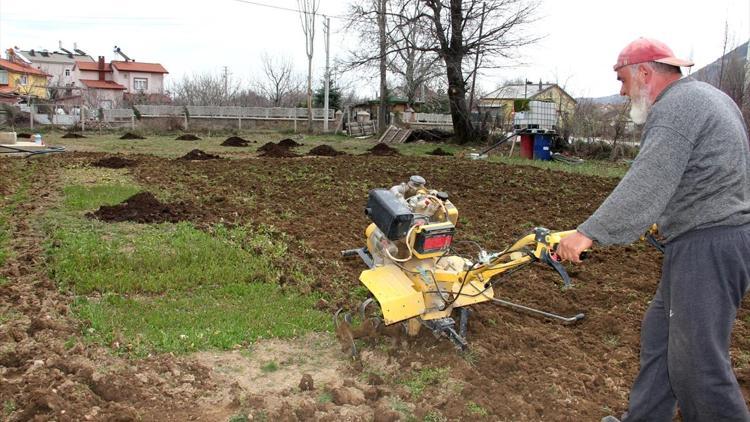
(645,72)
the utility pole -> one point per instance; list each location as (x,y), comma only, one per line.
(476,61)
(327,29)
(226,82)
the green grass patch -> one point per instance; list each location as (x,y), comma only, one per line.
(587,168)
(325,397)
(476,409)
(206,318)
(417,383)
(80,198)
(270,367)
(133,258)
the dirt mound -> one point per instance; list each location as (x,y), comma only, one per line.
(326,151)
(429,135)
(130,135)
(114,163)
(73,136)
(23,135)
(187,137)
(268,146)
(288,143)
(197,154)
(441,152)
(235,141)
(383,150)
(143,207)
(276,151)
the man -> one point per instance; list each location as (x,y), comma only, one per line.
(692,178)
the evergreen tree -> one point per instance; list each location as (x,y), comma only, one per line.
(334,95)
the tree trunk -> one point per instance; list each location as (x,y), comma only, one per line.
(309,95)
(462,126)
(383,108)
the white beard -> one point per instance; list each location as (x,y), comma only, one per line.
(639,108)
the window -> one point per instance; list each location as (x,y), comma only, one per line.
(140,84)
(3,77)
(67,72)
(23,80)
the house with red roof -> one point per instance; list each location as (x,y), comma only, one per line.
(109,85)
(20,80)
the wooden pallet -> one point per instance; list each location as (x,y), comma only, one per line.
(394,135)
(361,129)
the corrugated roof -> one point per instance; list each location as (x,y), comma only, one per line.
(139,67)
(94,66)
(94,83)
(21,68)
(517,91)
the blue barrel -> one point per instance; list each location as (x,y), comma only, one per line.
(542,144)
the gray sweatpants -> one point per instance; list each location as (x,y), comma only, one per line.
(686,331)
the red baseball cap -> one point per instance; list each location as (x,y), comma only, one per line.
(647,50)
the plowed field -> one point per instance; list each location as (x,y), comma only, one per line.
(520,368)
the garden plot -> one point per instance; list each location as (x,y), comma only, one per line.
(101,320)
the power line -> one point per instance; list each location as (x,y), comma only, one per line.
(289,9)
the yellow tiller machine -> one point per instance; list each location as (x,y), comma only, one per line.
(416,278)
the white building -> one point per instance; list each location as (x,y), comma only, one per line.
(59,64)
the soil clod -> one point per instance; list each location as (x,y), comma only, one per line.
(306,383)
(73,136)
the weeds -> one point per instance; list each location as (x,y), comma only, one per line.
(476,409)
(270,367)
(417,383)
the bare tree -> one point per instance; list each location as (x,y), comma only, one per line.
(383,107)
(279,79)
(204,89)
(455,24)
(308,10)
(412,61)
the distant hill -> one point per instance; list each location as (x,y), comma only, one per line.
(732,61)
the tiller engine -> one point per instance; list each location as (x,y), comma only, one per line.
(416,277)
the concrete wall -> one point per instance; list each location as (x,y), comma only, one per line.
(178,123)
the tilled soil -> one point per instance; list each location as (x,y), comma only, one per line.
(440,152)
(73,136)
(143,207)
(129,135)
(272,150)
(520,368)
(382,149)
(325,151)
(288,143)
(235,141)
(114,163)
(187,137)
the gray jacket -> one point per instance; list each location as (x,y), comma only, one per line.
(692,171)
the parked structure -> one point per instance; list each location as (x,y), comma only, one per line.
(19,80)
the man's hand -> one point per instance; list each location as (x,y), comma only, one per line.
(570,248)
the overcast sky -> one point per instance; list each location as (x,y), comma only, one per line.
(582,37)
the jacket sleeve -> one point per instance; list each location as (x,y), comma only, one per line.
(643,194)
